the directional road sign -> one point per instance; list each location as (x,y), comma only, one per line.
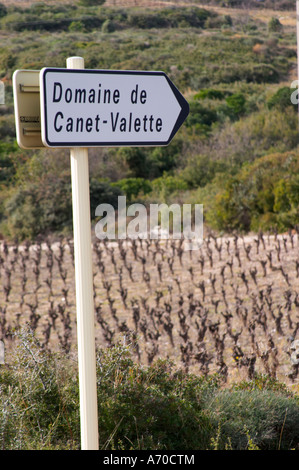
(92,108)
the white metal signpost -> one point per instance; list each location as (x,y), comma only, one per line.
(82,108)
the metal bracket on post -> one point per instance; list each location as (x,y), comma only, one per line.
(84,290)
(27,108)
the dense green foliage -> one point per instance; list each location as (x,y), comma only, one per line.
(233,71)
(263,193)
(152,407)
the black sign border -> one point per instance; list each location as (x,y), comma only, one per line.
(181,118)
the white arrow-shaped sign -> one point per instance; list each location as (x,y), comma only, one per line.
(92,108)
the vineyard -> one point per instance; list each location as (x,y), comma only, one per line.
(230,307)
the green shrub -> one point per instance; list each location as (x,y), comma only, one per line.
(150,407)
(38,209)
(3,10)
(108,26)
(262,195)
(132,187)
(39,399)
(76,26)
(89,3)
(7,130)
(249,73)
(236,104)
(136,159)
(201,169)
(146,20)
(7,162)
(270,419)
(168,185)
(103,192)
(210,93)
(263,382)
(140,407)
(149,163)
(274,25)
(200,115)
(39,200)
(165,159)
(170,18)
(255,135)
